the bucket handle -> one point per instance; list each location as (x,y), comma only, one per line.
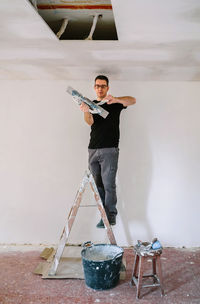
(117,256)
(87,244)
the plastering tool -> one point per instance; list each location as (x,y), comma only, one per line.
(94,108)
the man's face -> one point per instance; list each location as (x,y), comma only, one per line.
(101,88)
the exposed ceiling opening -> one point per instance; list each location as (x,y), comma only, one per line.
(78,19)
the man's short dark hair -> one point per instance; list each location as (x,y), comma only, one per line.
(102,77)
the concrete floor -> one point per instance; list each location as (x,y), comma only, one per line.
(18,284)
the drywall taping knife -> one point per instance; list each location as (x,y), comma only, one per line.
(94,108)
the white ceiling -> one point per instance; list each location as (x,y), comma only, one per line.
(158,40)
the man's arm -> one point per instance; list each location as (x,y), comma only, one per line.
(87,115)
(125,100)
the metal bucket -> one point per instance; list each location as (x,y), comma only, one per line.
(101,265)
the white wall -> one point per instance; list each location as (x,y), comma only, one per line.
(43,156)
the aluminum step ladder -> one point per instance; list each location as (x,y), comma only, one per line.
(87,179)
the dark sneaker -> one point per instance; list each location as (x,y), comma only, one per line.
(112,220)
(100,224)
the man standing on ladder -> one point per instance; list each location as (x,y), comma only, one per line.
(103,146)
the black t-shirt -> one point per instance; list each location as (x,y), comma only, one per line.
(105,131)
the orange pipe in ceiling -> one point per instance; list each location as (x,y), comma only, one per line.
(74,7)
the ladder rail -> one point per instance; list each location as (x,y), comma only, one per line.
(100,206)
(67,229)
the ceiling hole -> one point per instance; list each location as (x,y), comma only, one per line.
(78,19)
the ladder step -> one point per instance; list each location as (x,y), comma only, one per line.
(88,206)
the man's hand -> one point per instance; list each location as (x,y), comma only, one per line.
(87,115)
(84,107)
(124,100)
(111,99)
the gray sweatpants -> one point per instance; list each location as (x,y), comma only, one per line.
(103,164)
